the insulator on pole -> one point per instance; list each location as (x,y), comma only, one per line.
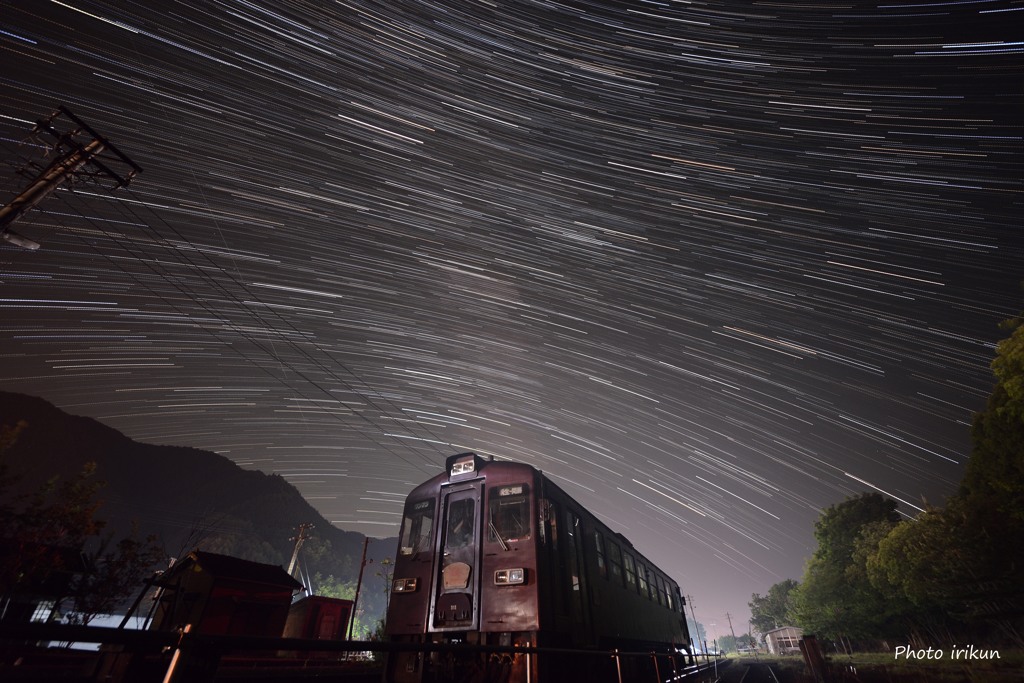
(77,150)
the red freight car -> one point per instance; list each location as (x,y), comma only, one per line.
(495,554)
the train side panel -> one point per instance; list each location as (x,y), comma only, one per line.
(599,579)
(414,564)
(409,605)
(635,604)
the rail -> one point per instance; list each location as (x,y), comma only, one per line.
(196,657)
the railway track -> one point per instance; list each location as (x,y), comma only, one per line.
(748,673)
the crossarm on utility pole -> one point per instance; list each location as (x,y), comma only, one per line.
(64,167)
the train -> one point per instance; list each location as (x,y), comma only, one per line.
(493,554)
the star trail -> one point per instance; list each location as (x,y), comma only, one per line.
(712,266)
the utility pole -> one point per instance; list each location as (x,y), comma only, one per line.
(76,159)
(736,643)
(696,627)
(388,577)
(359,585)
(299,540)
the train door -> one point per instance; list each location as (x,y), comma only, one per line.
(456,582)
(579,600)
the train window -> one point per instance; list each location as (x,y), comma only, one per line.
(460,524)
(417,528)
(641,576)
(602,568)
(572,525)
(615,561)
(669,590)
(630,566)
(553,523)
(572,551)
(659,586)
(509,514)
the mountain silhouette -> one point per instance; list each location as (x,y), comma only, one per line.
(189,498)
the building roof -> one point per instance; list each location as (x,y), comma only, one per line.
(322,600)
(783,628)
(225,566)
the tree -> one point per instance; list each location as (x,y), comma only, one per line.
(114,572)
(8,437)
(952,568)
(697,632)
(46,533)
(730,643)
(949,571)
(40,528)
(332,587)
(836,598)
(775,608)
(920,567)
(839,526)
(991,496)
(994,477)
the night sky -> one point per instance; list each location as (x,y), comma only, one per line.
(712,266)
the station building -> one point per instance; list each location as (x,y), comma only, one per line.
(784,640)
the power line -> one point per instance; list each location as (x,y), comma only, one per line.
(233,327)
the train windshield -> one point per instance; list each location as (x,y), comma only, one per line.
(417,528)
(460,524)
(509,514)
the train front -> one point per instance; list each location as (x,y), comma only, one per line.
(466,573)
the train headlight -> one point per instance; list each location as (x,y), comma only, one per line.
(507,577)
(404,585)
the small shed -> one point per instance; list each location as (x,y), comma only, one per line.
(317,617)
(784,640)
(224,595)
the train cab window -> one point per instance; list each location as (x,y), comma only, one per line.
(460,524)
(615,561)
(417,528)
(669,590)
(659,587)
(630,566)
(602,568)
(509,514)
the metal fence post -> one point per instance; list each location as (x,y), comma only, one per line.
(191,662)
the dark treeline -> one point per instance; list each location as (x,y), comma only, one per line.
(952,575)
